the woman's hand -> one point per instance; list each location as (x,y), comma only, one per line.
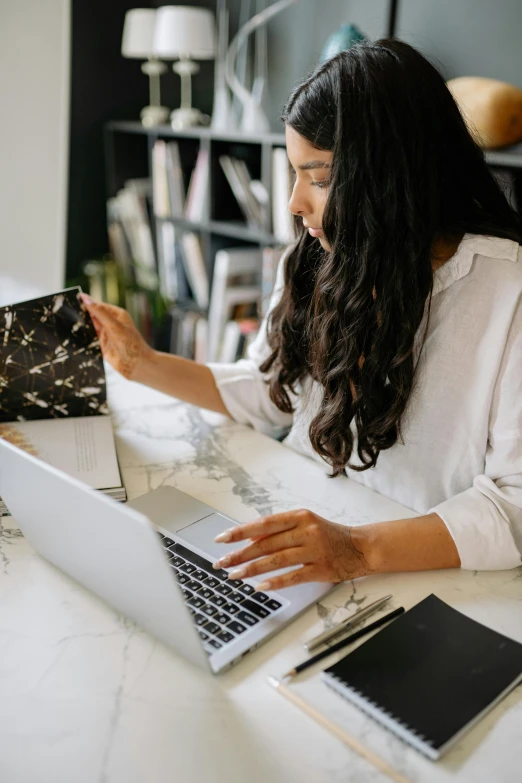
(326,551)
(121,343)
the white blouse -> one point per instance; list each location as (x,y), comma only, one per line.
(461,454)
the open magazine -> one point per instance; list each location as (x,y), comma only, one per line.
(53,395)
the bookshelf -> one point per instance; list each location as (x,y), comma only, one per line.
(221,223)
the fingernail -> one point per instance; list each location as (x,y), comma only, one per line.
(238,573)
(86,298)
(262,586)
(223,537)
(223,562)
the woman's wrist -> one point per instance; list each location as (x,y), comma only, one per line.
(414,544)
(144,366)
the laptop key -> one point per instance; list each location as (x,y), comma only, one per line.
(230,608)
(196,602)
(200,619)
(234,583)
(225,636)
(176,560)
(236,627)
(167,542)
(257,609)
(218,600)
(237,597)
(210,611)
(223,589)
(212,628)
(211,581)
(222,618)
(183,578)
(203,635)
(261,598)
(247,589)
(215,644)
(273,605)
(205,593)
(193,585)
(247,618)
(199,574)
(186,593)
(188,568)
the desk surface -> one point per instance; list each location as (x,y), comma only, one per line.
(86,697)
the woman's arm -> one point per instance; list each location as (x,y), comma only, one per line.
(126,350)
(329,552)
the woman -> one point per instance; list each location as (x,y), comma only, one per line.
(393,347)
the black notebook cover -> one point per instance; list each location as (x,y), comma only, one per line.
(429,675)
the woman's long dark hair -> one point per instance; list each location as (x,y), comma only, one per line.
(405,173)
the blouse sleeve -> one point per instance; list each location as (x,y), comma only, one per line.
(485,520)
(242,385)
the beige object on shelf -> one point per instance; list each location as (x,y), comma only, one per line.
(492,109)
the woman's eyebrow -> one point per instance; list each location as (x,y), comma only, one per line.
(315,164)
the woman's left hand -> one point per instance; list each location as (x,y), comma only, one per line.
(326,551)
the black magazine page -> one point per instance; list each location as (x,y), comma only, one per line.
(51,364)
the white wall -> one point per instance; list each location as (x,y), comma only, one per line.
(34,142)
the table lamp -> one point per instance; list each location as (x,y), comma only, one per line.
(137,40)
(185,34)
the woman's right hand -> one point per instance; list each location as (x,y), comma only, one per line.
(121,343)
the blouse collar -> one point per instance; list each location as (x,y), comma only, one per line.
(471,245)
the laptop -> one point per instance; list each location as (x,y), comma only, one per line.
(150,559)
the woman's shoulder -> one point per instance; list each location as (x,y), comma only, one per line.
(496,258)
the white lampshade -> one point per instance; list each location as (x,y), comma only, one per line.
(183,31)
(138,33)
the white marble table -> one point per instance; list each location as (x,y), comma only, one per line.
(86,697)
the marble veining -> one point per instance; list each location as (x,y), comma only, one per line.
(88,697)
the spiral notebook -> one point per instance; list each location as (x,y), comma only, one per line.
(430,675)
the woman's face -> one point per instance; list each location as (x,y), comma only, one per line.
(312,176)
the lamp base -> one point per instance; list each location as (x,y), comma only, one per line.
(154,115)
(187,118)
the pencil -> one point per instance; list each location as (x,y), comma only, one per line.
(353,743)
(344,642)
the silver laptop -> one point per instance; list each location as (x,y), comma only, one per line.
(150,559)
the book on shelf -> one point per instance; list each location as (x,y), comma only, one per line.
(195,268)
(282,220)
(197,201)
(240,181)
(171,266)
(160,184)
(234,267)
(130,231)
(53,397)
(237,337)
(271,258)
(175,183)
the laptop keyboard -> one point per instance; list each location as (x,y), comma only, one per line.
(222,608)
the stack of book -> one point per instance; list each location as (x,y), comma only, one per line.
(171,199)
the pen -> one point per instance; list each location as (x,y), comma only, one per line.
(346,625)
(345,642)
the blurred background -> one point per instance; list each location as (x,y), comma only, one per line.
(71,141)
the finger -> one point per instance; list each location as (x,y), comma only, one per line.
(284,559)
(260,527)
(307,573)
(108,315)
(266,545)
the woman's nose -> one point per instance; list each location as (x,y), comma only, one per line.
(297,204)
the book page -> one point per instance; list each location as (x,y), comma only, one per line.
(83,446)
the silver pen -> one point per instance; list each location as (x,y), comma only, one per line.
(346,625)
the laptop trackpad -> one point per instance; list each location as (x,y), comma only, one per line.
(201,534)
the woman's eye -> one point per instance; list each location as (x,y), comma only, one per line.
(321,184)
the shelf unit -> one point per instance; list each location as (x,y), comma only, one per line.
(128,154)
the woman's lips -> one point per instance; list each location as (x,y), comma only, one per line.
(315,232)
